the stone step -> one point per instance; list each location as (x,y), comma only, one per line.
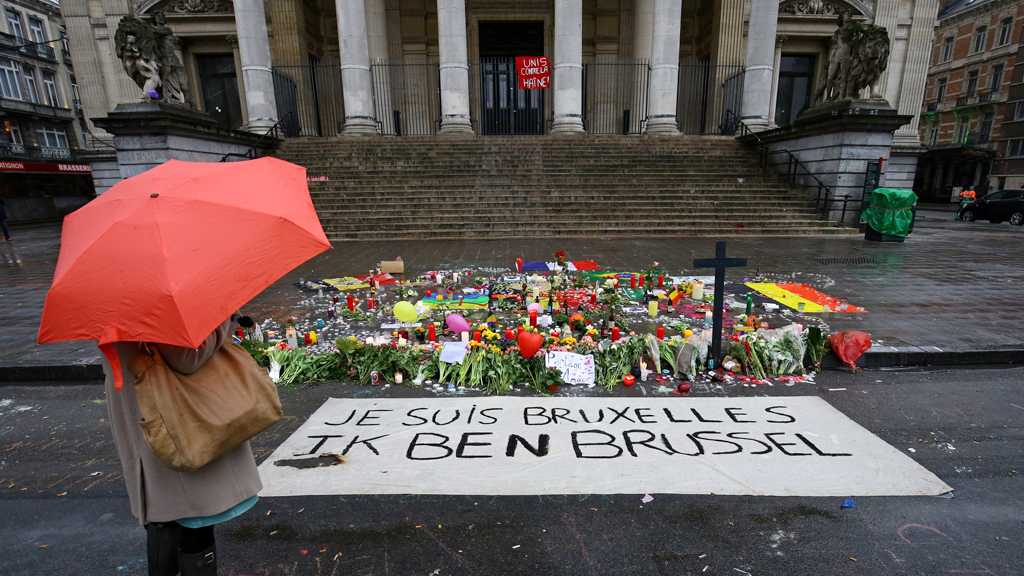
(418,234)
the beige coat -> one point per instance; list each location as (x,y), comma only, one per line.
(157,493)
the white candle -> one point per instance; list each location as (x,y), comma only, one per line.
(698,290)
(465,337)
(401,341)
(292,338)
(369,340)
(398,378)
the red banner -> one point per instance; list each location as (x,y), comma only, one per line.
(19,166)
(534,72)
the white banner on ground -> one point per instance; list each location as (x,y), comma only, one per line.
(782,446)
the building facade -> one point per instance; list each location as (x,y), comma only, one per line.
(40,175)
(415,67)
(1008,169)
(962,119)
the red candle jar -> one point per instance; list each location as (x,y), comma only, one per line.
(476,336)
(335,299)
(533,318)
(371,303)
(432,333)
(593,298)
(641,281)
(661,280)
(661,332)
(509,334)
(615,334)
(519,329)
(616,282)
(628,380)
(428,293)
(632,281)
(351,302)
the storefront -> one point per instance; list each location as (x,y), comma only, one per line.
(43,191)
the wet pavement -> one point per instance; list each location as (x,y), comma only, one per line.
(952,285)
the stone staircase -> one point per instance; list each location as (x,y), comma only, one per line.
(515,186)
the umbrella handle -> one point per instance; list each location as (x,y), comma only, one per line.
(115,364)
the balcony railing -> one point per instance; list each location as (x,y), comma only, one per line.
(27,47)
(962,101)
(66,56)
(21,151)
(982,98)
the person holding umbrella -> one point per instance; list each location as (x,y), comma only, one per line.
(155,270)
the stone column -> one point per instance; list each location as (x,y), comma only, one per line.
(357,84)
(643,28)
(454,67)
(661,108)
(757,82)
(568,68)
(254,52)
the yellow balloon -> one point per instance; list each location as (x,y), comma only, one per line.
(405,312)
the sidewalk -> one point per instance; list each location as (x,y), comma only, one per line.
(949,294)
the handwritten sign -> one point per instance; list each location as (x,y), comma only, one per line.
(575,368)
(534,72)
(788,446)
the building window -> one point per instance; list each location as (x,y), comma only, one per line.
(986,128)
(76,97)
(53,138)
(1005,31)
(31,93)
(1015,147)
(35,26)
(997,78)
(14,23)
(972,83)
(980,34)
(932,137)
(947,49)
(1018,113)
(9,86)
(963,125)
(50,91)
(13,132)
(940,92)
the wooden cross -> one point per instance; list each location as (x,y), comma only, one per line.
(719,263)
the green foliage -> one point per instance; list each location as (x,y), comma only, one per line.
(258,351)
(817,346)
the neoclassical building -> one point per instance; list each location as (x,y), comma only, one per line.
(401,67)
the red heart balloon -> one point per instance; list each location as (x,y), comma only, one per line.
(529,343)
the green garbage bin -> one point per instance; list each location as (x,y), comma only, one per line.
(890,216)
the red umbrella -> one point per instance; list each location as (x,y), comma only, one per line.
(167,255)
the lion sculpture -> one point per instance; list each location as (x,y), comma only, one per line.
(146,50)
(858,54)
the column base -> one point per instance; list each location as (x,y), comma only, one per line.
(758,123)
(664,126)
(259,126)
(456,126)
(567,126)
(360,126)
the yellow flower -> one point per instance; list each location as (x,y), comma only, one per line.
(555,340)
(569,342)
(495,349)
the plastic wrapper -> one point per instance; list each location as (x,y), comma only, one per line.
(890,211)
(849,346)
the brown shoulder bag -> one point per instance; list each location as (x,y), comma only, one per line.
(190,420)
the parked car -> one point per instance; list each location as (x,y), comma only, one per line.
(996,207)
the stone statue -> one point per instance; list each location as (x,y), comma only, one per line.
(146,50)
(858,54)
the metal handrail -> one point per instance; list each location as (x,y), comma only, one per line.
(251,152)
(825,198)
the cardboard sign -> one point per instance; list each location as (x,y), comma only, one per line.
(534,72)
(790,446)
(575,368)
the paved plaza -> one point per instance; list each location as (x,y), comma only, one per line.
(952,286)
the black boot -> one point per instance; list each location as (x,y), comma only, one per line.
(200,564)
(162,548)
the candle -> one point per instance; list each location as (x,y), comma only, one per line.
(698,290)
(440,279)
(616,282)
(330,313)
(661,280)
(371,303)
(432,332)
(319,323)
(428,293)
(476,336)
(661,332)
(401,341)
(369,340)
(509,334)
(335,299)
(632,281)
(533,318)
(351,302)
(652,308)
(271,334)
(465,337)
(708,319)
(593,298)
(643,371)
(536,292)
(628,380)
(615,334)
(398,378)
(520,329)
(292,337)
(641,281)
